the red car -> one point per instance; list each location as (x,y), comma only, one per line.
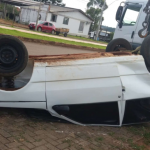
(43,26)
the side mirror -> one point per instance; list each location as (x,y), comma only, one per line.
(119,13)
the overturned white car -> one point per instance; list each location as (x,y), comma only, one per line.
(87,89)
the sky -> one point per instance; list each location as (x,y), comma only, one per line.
(109,14)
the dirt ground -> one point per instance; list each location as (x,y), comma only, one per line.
(23,129)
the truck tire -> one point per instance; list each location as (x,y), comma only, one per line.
(117,44)
(65,34)
(57,33)
(145,50)
(13,56)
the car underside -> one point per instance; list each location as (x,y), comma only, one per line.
(88,89)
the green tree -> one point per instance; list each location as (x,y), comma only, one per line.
(111,35)
(9,8)
(94,14)
(99,3)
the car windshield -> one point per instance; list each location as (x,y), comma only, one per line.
(40,22)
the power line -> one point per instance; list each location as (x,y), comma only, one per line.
(113,2)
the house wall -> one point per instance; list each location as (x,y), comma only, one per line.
(29,14)
(74,22)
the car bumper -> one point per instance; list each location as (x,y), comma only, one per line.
(31,27)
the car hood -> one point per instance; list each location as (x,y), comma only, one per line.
(32,23)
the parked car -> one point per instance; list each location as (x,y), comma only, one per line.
(43,26)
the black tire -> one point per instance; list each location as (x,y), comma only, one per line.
(53,32)
(57,33)
(145,50)
(13,56)
(65,34)
(115,44)
(39,29)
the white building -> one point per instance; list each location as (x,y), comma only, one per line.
(63,17)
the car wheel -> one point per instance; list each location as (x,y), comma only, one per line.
(39,29)
(57,33)
(53,32)
(13,56)
(65,34)
(118,45)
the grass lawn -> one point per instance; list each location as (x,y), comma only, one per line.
(87,39)
(34,36)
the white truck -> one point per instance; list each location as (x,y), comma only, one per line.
(130,18)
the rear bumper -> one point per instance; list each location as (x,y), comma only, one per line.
(31,27)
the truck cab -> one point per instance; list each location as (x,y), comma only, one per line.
(131,19)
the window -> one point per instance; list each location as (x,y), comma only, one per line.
(45,24)
(54,18)
(50,24)
(81,27)
(40,22)
(66,21)
(131,15)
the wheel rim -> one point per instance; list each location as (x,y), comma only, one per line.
(119,48)
(8,55)
(39,29)
(53,32)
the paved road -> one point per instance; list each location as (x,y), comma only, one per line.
(41,49)
(24,129)
(58,37)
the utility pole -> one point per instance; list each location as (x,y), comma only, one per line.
(38,15)
(5,6)
(48,11)
(100,21)
(13,12)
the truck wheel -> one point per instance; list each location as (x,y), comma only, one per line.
(145,50)
(13,56)
(65,34)
(118,45)
(57,33)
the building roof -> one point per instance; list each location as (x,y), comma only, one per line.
(21,2)
(55,8)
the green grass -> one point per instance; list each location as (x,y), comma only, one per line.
(86,39)
(99,139)
(135,146)
(141,131)
(34,36)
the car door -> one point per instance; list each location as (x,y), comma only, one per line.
(130,19)
(50,27)
(88,97)
(45,27)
